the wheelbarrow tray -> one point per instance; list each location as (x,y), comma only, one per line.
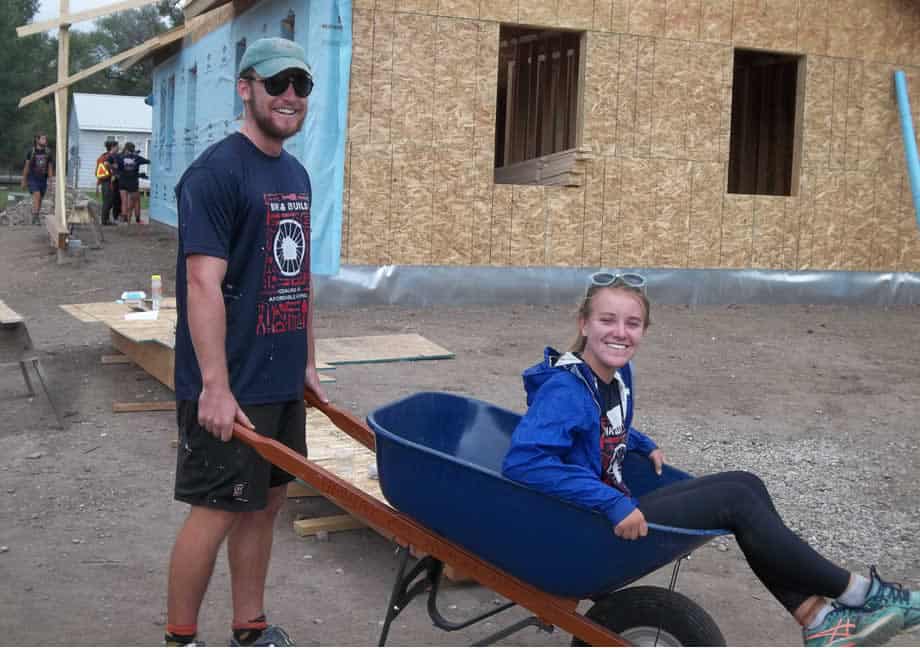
(439,461)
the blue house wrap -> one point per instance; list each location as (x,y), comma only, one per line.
(195,104)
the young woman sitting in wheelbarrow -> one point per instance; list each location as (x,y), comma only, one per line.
(577,430)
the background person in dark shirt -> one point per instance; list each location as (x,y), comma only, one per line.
(128,173)
(107,184)
(38,170)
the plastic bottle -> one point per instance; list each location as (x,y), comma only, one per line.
(156,291)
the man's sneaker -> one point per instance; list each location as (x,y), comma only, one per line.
(883,594)
(845,626)
(272,636)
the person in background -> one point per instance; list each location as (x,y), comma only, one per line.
(576,434)
(37,172)
(105,179)
(129,163)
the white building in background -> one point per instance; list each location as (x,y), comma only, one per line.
(96,118)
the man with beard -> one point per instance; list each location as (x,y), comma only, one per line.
(244,341)
(37,172)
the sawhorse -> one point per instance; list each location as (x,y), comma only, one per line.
(16,348)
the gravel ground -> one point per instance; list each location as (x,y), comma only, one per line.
(822,402)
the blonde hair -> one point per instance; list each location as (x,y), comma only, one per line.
(584,309)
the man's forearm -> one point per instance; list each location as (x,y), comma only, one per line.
(207,324)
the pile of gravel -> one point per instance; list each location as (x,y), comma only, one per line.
(20,213)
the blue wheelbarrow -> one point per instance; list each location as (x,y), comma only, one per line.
(439,462)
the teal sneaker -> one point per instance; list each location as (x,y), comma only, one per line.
(845,626)
(271,636)
(883,594)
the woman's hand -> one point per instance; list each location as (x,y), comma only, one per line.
(632,526)
(657,458)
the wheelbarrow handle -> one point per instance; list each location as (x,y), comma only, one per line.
(346,422)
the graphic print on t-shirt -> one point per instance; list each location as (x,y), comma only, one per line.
(285,293)
(39,163)
(613,448)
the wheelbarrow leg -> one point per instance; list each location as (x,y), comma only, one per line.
(404,590)
(671,588)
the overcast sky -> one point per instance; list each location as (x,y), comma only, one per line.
(49,9)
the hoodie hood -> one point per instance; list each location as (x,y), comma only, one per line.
(553,362)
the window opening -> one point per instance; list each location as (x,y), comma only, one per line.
(287,26)
(764,126)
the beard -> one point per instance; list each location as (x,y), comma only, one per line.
(263,119)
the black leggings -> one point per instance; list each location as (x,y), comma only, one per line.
(740,503)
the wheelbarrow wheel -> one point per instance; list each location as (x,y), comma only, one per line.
(644,615)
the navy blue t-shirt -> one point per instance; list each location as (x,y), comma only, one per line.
(239,204)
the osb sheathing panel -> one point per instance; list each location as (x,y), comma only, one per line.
(619,16)
(716,21)
(829,221)
(861,220)
(538,12)
(455,91)
(346,204)
(499,10)
(645,89)
(887,241)
(486,73)
(910,232)
(420,6)
(411,216)
(791,233)
(669,115)
(414,78)
(812,27)
(610,241)
(737,221)
(682,19)
(459,8)
(382,82)
(880,119)
(668,234)
(369,204)
(706,68)
(769,221)
(601,93)
(638,182)
(838,143)
(646,17)
(359,99)
(705,235)
(805,211)
(594,212)
(481,217)
(766,24)
(451,226)
(501,226)
(903,26)
(854,115)
(627,84)
(819,93)
(602,12)
(576,14)
(565,226)
(528,226)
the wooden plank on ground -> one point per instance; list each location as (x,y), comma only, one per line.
(117,358)
(8,315)
(379,348)
(312,526)
(150,406)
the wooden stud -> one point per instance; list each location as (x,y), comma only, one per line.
(312,526)
(81,16)
(300,489)
(152,406)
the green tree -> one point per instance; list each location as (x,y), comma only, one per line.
(26,64)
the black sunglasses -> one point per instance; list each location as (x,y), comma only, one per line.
(278,84)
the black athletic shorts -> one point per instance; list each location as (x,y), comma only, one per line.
(232,476)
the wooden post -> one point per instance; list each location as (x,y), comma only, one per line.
(60,120)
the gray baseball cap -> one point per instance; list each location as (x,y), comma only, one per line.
(269,56)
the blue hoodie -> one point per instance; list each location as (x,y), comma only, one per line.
(556,447)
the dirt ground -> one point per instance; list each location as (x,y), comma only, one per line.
(822,402)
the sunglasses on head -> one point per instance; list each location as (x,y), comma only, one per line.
(631,279)
(278,84)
